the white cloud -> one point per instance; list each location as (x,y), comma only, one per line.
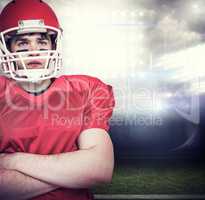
(172,34)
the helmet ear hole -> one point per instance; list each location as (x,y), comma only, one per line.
(8,39)
(8,44)
(53,41)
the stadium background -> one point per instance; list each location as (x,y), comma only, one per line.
(152,53)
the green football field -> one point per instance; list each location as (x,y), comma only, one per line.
(156,177)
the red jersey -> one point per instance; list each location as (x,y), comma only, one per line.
(51,122)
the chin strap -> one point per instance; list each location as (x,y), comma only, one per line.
(34,75)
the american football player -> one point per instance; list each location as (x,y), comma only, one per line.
(54,141)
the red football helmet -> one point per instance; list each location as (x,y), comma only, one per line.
(23,17)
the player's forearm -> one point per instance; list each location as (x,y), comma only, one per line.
(17,186)
(79,169)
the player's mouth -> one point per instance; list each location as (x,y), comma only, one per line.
(34,64)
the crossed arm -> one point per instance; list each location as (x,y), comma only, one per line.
(90,165)
(17,186)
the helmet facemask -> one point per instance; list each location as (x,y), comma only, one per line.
(13,64)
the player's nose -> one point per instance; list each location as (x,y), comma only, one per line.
(33,47)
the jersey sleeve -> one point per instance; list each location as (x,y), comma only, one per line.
(99,107)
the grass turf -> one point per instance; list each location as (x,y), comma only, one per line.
(157,178)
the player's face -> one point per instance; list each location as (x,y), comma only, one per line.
(31,42)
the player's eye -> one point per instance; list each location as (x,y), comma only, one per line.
(43,45)
(43,42)
(22,44)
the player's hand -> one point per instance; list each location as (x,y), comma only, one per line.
(7,161)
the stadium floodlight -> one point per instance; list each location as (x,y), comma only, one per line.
(188,64)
